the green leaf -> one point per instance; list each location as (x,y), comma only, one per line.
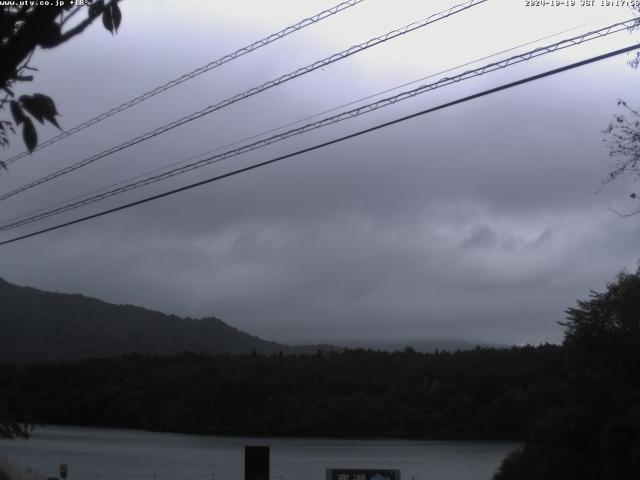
(46,107)
(107,20)
(116,14)
(111,17)
(29,134)
(16,112)
(41,106)
(31,106)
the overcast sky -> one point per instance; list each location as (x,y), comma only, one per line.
(478,222)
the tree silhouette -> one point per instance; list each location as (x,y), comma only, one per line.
(595,433)
(623,139)
(23,29)
(609,322)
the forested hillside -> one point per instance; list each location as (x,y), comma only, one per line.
(46,326)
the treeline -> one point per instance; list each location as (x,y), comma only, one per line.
(477,394)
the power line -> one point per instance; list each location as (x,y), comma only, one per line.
(265,86)
(330,142)
(281,127)
(198,71)
(342,116)
(491,67)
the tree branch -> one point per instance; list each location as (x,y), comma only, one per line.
(84,24)
(73,12)
(18,48)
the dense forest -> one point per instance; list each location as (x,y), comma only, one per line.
(483,393)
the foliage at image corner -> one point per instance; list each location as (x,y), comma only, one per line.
(622,138)
(595,434)
(23,29)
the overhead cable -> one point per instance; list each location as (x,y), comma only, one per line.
(385,102)
(330,142)
(188,76)
(253,91)
(286,125)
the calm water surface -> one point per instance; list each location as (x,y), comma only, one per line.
(109,454)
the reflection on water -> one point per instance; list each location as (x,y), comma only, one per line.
(110,454)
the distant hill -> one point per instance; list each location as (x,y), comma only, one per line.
(38,326)
(423,346)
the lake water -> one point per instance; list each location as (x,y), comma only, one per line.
(110,454)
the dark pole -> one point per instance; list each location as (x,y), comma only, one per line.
(256,463)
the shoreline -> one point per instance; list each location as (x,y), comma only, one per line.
(461,439)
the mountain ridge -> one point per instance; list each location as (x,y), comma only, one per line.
(41,326)
(46,326)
